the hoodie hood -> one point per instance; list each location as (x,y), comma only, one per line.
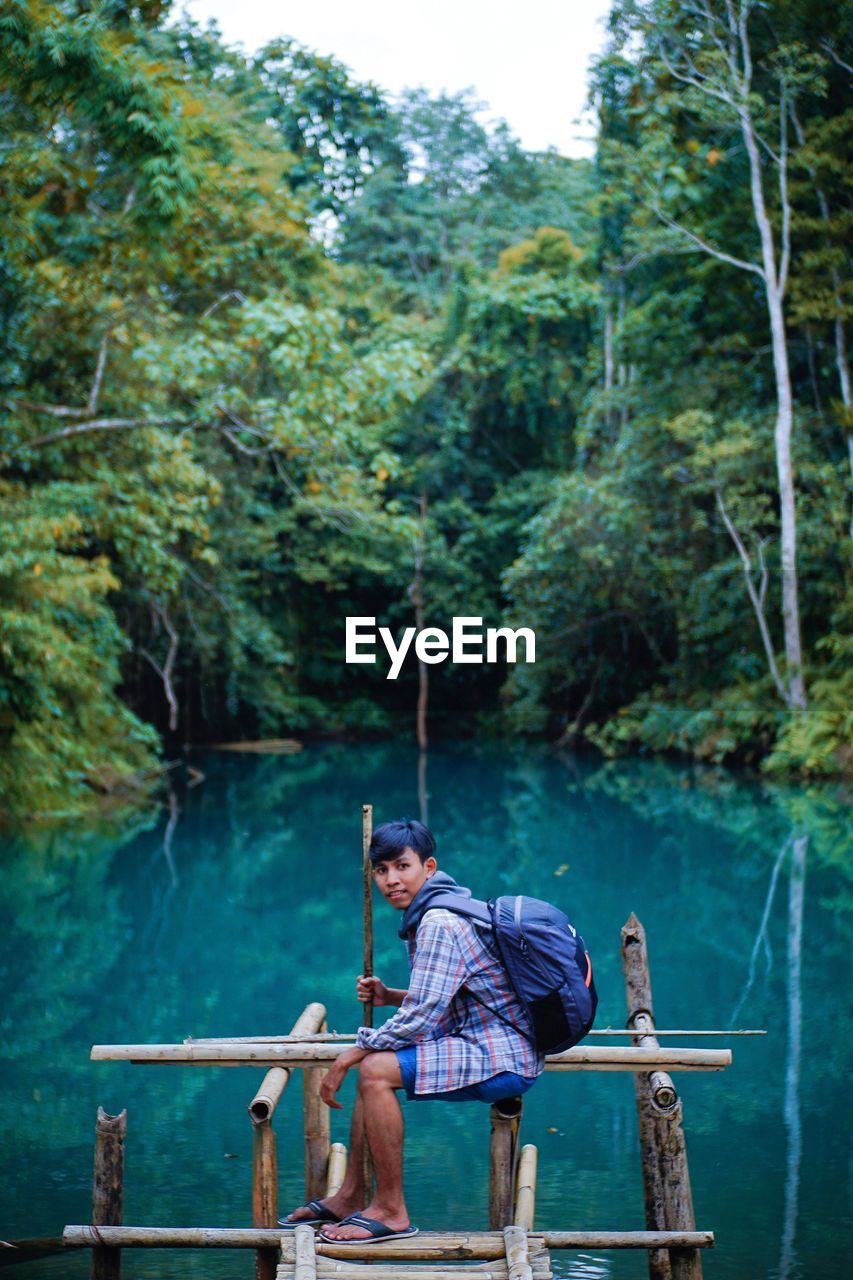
(435,887)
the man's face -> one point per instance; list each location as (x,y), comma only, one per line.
(400,880)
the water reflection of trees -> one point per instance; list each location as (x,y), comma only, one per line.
(815,818)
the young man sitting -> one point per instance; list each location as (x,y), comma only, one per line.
(460,1035)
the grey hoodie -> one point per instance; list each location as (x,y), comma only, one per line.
(435,887)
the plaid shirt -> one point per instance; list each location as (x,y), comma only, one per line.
(458,1042)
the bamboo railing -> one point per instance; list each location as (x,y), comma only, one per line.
(511,1249)
(313,1053)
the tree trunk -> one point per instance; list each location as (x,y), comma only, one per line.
(416,593)
(774,293)
(609,367)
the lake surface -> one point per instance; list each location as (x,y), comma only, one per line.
(231,917)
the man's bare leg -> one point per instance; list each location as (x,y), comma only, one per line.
(352,1193)
(378,1077)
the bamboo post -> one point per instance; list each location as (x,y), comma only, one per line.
(666,1180)
(337,1168)
(505,1119)
(264,1193)
(108,1188)
(305,1267)
(525,1193)
(317,1134)
(517,1259)
(264,1155)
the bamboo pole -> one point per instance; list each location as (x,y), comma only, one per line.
(265,1101)
(30,1249)
(505,1120)
(264,1155)
(349,1036)
(305,1262)
(428,1245)
(367,875)
(328,1270)
(108,1188)
(517,1260)
(666,1179)
(337,1168)
(525,1193)
(367,963)
(267,1098)
(581,1058)
(346,1038)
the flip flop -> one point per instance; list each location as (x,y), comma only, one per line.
(378,1230)
(321,1215)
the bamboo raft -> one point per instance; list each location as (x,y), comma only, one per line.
(511,1249)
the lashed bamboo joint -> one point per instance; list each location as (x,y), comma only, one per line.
(511,1249)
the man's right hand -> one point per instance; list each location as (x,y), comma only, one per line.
(372,990)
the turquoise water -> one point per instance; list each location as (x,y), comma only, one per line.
(248,905)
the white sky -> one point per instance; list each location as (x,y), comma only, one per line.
(527,59)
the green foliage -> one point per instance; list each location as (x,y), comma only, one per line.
(253,311)
(819,743)
(734,727)
(64,733)
(550,250)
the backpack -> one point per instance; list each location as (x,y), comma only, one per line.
(546,961)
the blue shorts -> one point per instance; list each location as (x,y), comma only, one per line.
(506,1084)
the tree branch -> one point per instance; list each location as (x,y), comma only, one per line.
(648,255)
(325,517)
(38,406)
(226,297)
(765,576)
(743,35)
(695,78)
(785,259)
(165,672)
(839,62)
(99,424)
(94,394)
(756,599)
(704,245)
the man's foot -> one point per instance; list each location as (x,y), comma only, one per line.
(370,1224)
(329,1210)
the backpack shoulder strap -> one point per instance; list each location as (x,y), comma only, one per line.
(472,908)
(482,912)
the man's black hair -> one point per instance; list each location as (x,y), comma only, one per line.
(391,838)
